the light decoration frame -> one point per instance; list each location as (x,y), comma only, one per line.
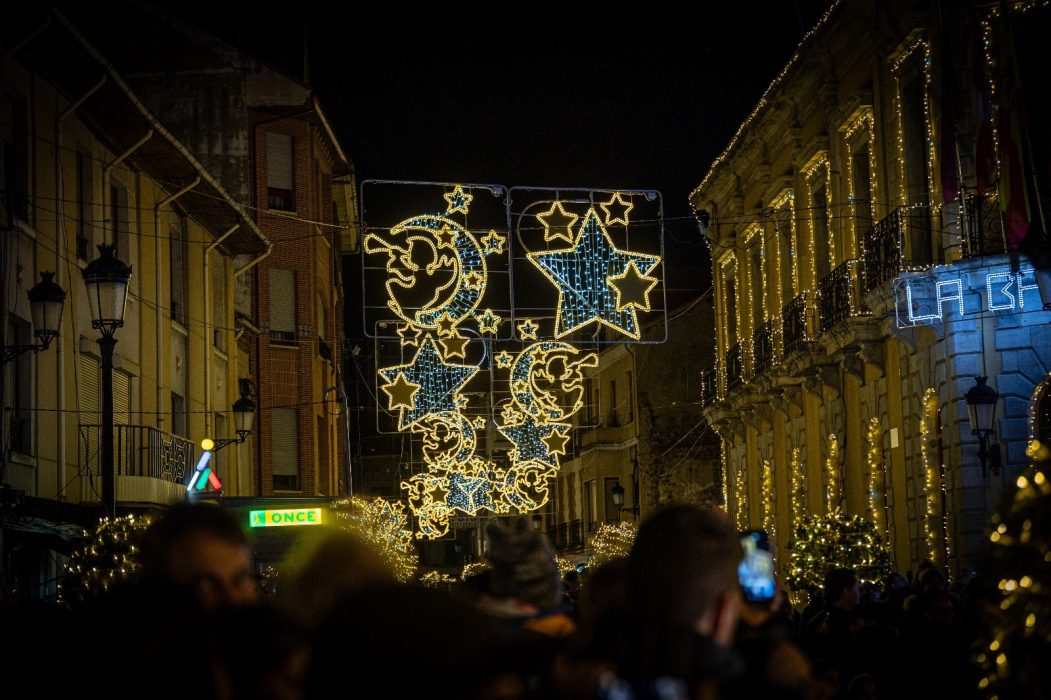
(785,203)
(384,526)
(757,319)
(724,466)
(796,468)
(833,474)
(935,521)
(741,492)
(727,260)
(819,161)
(864,121)
(770,503)
(877,473)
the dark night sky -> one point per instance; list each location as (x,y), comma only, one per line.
(630,100)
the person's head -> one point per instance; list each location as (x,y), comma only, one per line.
(682,572)
(842,588)
(203,549)
(523,565)
(932,579)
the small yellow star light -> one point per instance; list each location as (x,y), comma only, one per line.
(488,322)
(401,392)
(633,288)
(458,200)
(527,329)
(472,280)
(461,401)
(617,209)
(409,334)
(479,423)
(454,346)
(504,359)
(557,223)
(493,242)
(446,325)
(446,237)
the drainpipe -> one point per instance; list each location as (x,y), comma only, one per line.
(208,323)
(60,248)
(107,174)
(254,261)
(159,287)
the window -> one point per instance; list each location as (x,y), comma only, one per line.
(914,150)
(285,449)
(630,400)
(280,172)
(613,421)
(819,225)
(322,316)
(179,258)
(589,505)
(85,205)
(755,272)
(861,185)
(220,322)
(786,252)
(19,388)
(178,415)
(15,184)
(322,448)
(88,390)
(612,509)
(120,221)
(121,398)
(282,305)
(730,305)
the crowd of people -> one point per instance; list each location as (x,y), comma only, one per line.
(667,622)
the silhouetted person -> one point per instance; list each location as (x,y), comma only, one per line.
(203,549)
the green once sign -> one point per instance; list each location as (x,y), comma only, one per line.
(288,517)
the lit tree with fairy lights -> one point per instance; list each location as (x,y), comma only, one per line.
(833,541)
(102,557)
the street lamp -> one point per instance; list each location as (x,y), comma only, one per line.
(106,278)
(45,307)
(244,412)
(617,493)
(981,408)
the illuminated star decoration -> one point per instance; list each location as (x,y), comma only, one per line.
(409,335)
(454,346)
(458,200)
(557,223)
(530,440)
(488,322)
(527,329)
(493,242)
(583,276)
(470,493)
(438,382)
(479,423)
(617,209)
(401,392)
(503,359)
(633,288)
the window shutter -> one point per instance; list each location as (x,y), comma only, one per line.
(121,398)
(89,390)
(283,301)
(285,442)
(279,161)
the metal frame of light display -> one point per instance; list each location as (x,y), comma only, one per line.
(448,336)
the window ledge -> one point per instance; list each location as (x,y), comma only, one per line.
(19,458)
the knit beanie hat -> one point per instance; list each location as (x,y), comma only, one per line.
(523,564)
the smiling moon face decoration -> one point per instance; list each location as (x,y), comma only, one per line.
(435,269)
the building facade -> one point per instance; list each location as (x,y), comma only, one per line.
(85,162)
(870,260)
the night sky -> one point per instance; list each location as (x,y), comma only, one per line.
(628,100)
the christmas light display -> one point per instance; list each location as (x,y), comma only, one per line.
(836,540)
(741,490)
(612,541)
(585,276)
(527,329)
(558,223)
(458,200)
(616,209)
(770,503)
(796,470)
(384,526)
(101,558)
(877,473)
(934,519)
(425,386)
(833,477)
(436,579)
(493,243)
(473,569)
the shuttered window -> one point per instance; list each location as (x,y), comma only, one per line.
(282,305)
(285,448)
(88,390)
(279,171)
(120,221)
(121,398)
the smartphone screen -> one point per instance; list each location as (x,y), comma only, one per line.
(756,570)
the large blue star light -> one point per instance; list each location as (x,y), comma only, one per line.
(439,384)
(583,275)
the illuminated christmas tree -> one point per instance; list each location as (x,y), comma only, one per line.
(833,541)
(102,558)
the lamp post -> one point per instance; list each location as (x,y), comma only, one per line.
(106,278)
(617,493)
(45,306)
(981,409)
(244,412)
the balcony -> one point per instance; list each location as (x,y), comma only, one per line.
(734,367)
(838,295)
(562,540)
(763,347)
(984,233)
(576,534)
(884,246)
(793,324)
(139,451)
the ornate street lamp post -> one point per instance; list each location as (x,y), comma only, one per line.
(981,409)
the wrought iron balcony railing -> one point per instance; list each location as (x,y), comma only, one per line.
(838,296)
(884,247)
(763,347)
(734,367)
(576,533)
(983,233)
(793,324)
(138,450)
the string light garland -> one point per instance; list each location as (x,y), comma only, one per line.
(836,540)
(819,162)
(101,558)
(725,472)
(612,541)
(833,475)
(587,276)
(474,568)
(436,579)
(796,469)
(741,492)
(770,503)
(384,526)
(934,488)
(877,475)
(864,122)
